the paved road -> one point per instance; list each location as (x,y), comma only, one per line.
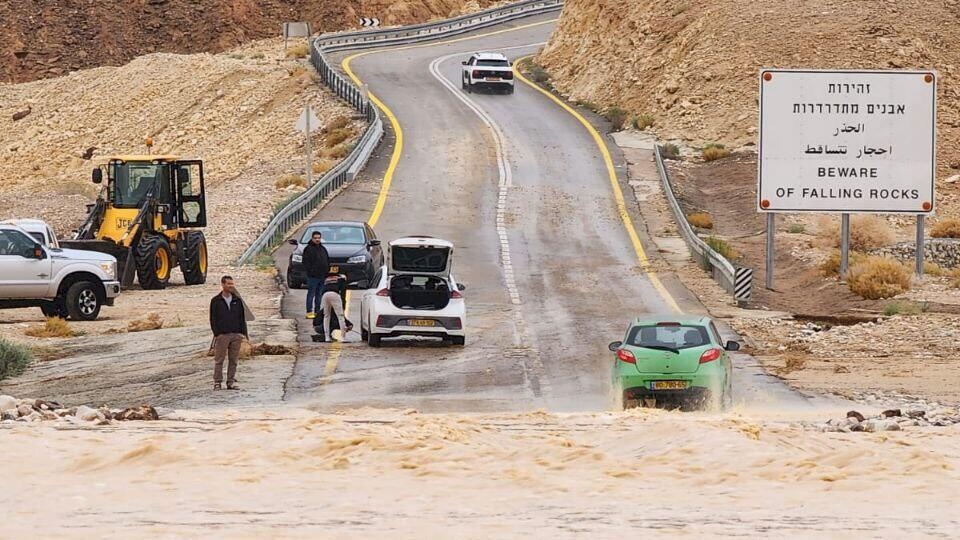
(522,189)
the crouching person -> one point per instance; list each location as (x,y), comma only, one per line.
(333,299)
(228,321)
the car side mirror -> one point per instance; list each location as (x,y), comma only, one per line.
(292,241)
(732,346)
(463,63)
(363,284)
(614,345)
(97,176)
(373,243)
(461,286)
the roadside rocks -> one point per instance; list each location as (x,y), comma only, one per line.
(888,420)
(36,410)
(943,251)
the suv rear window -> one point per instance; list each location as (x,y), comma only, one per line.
(674,336)
(419,259)
(493,63)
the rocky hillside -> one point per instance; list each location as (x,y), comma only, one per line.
(693,65)
(40,38)
(235,110)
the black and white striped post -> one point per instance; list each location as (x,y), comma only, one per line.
(742,285)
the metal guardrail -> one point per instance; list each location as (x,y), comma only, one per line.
(735,280)
(301,207)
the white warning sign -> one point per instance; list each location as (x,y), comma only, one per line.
(847,141)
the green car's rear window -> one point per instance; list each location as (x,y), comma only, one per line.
(674,337)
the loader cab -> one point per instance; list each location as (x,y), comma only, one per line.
(176,185)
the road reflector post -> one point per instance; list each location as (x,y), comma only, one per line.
(742,285)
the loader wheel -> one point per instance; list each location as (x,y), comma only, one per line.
(194,263)
(153,261)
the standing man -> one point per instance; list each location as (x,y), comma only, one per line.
(229,325)
(333,300)
(316,262)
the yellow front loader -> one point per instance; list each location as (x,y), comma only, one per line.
(147,216)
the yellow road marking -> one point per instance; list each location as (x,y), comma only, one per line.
(617,192)
(336,348)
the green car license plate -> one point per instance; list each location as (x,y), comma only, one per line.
(421,322)
(668,385)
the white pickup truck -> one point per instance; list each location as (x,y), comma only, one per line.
(36,272)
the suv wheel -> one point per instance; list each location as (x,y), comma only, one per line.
(83,301)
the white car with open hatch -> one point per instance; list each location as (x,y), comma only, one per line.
(415,294)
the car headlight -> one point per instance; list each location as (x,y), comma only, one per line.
(357,259)
(110,269)
(297,258)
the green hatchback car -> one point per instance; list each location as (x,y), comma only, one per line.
(677,360)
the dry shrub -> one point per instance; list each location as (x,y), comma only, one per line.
(298,50)
(290,180)
(702,220)
(267,349)
(866,232)
(831,266)
(932,269)
(643,121)
(878,277)
(339,151)
(954,276)
(713,151)
(152,322)
(321,166)
(337,136)
(794,363)
(947,228)
(339,122)
(14,358)
(53,327)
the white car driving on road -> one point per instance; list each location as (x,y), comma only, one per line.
(415,294)
(489,70)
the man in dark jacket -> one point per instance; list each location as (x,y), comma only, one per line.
(316,262)
(229,325)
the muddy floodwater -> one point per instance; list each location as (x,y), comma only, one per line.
(401,474)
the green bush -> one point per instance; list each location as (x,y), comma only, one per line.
(13,358)
(722,247)
(617,117)
(796,228)
(264,261)
(714,151)
(670,151)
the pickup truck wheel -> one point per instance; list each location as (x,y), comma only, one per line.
(83,301)
(153,261)
(194,263)
(54,309)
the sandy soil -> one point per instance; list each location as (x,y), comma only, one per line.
(400,474)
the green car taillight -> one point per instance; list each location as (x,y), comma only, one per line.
(710,355)
(626,356)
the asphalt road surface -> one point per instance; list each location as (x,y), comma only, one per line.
(523,190)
